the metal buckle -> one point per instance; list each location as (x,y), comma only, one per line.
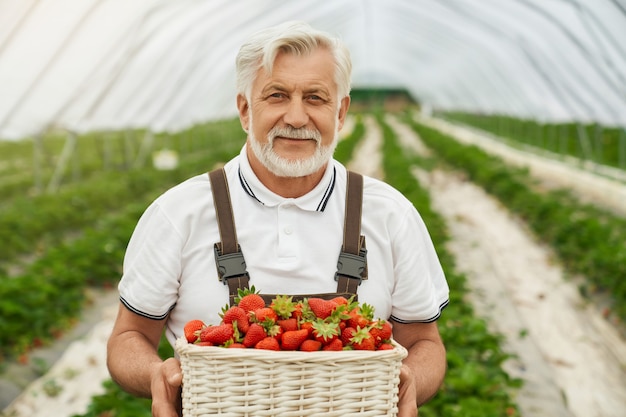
(230,264)
(352,266)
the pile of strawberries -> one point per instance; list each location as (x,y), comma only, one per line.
(312,324)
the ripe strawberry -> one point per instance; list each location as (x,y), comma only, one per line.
(201,343)
(249,299)
(381,330)
(341,300)
(264,314)
(238,315)
(325,331)
(346,335)
(269,343)
(310,345)
(297,311)
(236,345)
(385,346)
(320,307)
(283,306)
(308,326)
(255,334)
(218,335)
(192,330)
(291,340)
(361,316)
(288,324)
(363,340)
(273,330)
(335,345)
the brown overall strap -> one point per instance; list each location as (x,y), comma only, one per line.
(231,265)
(352,264)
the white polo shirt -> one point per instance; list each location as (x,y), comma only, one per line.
(291,246)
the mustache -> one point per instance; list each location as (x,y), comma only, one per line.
(293,133)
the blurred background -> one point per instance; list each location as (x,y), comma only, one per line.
(104,104)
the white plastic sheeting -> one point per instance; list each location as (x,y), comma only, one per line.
(166,64)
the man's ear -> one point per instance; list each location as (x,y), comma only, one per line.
(244,111)
(344,105)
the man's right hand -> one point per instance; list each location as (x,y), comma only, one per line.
(165,385)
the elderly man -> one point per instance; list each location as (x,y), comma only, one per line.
(288,203)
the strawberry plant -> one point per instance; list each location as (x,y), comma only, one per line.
(484,388)
(588,240)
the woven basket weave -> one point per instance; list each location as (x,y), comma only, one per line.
(255,383)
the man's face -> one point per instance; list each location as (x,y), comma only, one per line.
(295,112)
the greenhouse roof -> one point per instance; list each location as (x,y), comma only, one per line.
(113,64)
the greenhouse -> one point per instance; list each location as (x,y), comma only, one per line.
(502,122)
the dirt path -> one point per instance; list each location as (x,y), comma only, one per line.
(600,185)
(571,359)
(77,372)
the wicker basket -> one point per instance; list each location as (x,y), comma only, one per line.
(255,383)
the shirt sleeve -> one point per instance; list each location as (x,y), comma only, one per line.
(152,266)
(421,290)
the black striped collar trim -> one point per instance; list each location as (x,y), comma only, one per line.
(321,205)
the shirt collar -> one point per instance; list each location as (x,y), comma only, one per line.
(314,200)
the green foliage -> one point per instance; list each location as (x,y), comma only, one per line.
(593,142)
(114,402)
(345,147)
(78,237)
(117,403)
(475,383)
(588,240)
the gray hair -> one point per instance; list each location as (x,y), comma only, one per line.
(294,37)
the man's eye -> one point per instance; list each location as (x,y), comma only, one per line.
(313,97)
(276,95)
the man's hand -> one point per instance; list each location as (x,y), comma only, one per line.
(165,386)
(407,396)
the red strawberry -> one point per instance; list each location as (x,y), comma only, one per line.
(320,307)
(381,330)
(291,340)
(341,300)
(249,299)
(269,343)
(324,331)
(236,314)
(236,345)
(288,324)
(255,333)
(310,345)
(297,311)
(283,306)
(360,316)
(346,335)
(385,346)
(192,330)
(200,343)
(218,335)
(334,345)
(261,315)
(308,326)
(363,340)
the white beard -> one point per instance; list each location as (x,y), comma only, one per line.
(284,167)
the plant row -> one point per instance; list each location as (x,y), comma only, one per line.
(47,296)
(475,383)
(589,241)
(593,142)
(30,223)
(27,166)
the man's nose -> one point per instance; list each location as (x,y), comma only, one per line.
(296,115)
